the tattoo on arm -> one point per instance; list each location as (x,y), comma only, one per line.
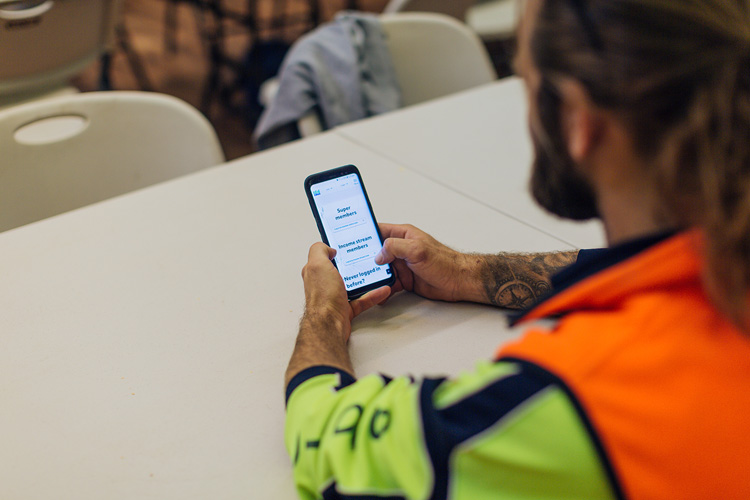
(517,281)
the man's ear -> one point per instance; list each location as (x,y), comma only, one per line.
(582,124)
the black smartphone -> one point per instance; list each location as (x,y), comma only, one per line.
(346,222)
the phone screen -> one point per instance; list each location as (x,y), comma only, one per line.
(346,223)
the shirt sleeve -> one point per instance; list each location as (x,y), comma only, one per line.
(501,429)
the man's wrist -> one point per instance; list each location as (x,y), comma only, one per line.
(322,340)
(325,321)
(470,287)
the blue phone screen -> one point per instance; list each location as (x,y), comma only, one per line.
(350,229)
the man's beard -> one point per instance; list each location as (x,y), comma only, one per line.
(556,183)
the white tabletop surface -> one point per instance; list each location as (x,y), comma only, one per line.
(476,143)
(144,339)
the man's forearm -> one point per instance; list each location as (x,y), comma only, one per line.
(513,281)
(516,281)
(321,341)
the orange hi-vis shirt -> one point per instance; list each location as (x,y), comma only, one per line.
(662,375)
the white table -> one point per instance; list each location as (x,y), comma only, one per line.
(475,143)
(144,339)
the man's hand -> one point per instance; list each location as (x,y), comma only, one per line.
(434,271)
(327,322)
(427,267)
(325,293)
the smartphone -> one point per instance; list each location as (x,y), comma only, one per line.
(346,222)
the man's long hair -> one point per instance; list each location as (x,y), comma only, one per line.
(677,72)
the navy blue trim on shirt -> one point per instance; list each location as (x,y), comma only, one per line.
(601,451)
(331,493)
(446,428)
(314,371)
(594,261)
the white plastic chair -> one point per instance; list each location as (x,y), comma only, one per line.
(435,55)
(43,43)
(453,8)
(62,153)
(492,20)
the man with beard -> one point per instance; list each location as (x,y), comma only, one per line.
(630,380)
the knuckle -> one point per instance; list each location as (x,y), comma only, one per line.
(420,251)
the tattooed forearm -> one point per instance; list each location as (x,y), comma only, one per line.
(516,281)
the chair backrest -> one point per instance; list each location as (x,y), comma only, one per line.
(62,153)
(435,55)
(494,20)
(453,8)
(43,43)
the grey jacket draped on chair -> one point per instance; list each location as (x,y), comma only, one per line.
(342,70)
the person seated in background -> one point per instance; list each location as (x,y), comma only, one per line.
(631,376)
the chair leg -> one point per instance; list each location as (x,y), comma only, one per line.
(315,15)
(215,42)
(136,65)
(105,71)
(170,26)
(199,12)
